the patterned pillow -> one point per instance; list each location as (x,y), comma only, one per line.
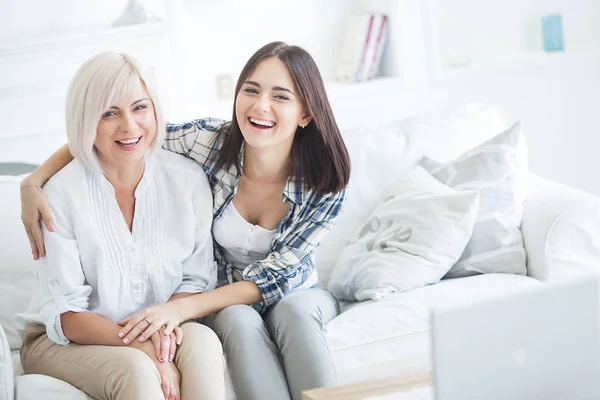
(498,170)
(411,240)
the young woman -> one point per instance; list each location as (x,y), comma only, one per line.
(133,231)
(278,173)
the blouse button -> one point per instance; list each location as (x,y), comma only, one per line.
(132,249)
(53,283)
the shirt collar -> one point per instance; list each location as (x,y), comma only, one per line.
(149,167)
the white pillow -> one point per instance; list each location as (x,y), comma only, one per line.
(498,170)
(411,240)
(379,157)
(446,134)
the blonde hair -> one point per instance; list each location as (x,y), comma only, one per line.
(98,84)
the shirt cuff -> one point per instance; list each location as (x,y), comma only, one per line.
(189,288)
(267,284)
(50,315)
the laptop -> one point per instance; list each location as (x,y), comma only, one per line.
(543,343)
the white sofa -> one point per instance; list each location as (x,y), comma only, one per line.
(371,339)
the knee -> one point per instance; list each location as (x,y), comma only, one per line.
(137,371)
(238,322)
(198,337)
(296,310)
(137,367)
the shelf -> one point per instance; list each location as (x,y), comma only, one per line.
(534,61)
(372,86)
(29,46)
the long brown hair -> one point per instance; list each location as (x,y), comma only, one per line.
(319,158)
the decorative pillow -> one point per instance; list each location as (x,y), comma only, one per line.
(379,157)
(498,170)
(411,240)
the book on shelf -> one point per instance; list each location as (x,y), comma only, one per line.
(362,47)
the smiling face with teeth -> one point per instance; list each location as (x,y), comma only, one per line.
(126,130)
(268,109)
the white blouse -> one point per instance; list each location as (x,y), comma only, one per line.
(243,243)
(94,263)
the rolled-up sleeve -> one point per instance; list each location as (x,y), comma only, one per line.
(60,276)
(291,259)
(199,269)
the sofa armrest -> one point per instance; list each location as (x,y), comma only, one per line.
(7,382)
(558,228)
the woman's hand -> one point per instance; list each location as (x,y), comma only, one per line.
(166,346)
(148,321)
(169,373)
(170,380)
(33,206)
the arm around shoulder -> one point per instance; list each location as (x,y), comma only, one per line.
(194,139)
(57,161)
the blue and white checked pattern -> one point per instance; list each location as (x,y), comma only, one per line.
(290,260)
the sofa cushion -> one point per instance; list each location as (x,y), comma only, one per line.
(16,263)
(411,240)
(36,387)
(498,170)
(376,339)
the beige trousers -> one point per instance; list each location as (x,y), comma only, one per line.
(126,373)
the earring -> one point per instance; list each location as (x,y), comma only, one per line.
(302,126)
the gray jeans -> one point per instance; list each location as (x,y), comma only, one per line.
(283,354)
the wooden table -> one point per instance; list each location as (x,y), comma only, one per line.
(378,387)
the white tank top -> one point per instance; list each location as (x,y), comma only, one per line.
(243,243)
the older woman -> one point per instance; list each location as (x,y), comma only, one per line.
(134,230)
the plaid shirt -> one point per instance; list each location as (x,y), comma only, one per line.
(290,260)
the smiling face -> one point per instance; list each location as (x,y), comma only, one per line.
(268,109)
(127,128)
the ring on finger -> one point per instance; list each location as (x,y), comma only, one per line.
(27,231)
(148,322)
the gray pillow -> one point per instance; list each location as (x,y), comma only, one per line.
(497,169)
